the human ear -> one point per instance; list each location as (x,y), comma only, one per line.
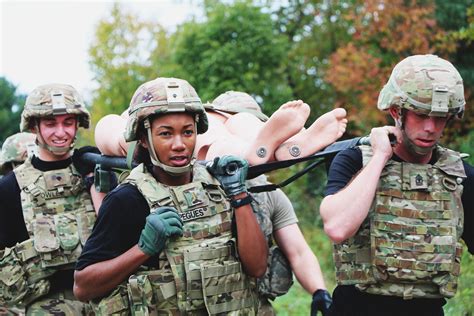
(396,114)
(142,141)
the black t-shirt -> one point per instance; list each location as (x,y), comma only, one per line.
(343,168)
(12,224)
(118,227)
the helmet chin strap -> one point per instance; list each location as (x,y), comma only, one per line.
(174,171)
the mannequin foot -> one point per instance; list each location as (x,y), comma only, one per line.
(283,124)
(323,132)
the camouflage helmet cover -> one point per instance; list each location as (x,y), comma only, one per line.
(161,96)
(237,102)
(15,148)
(54,99)
(425,84)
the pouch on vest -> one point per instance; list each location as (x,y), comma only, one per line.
(152,292)
(13,280)
(116,303)
(85,224)
(56,239)
(226,289)
(278,278)
(193,259)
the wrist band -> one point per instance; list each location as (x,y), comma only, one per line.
(241,202)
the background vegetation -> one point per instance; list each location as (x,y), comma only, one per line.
(328,53)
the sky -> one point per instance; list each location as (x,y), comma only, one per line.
(47,41)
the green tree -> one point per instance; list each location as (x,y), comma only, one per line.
(457,18)
(120,59)
(384,32)
(236,47)
(11,106)
(315,29)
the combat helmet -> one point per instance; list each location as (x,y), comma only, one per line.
(162,96)
(424,84)
(16,149)
(236,102)
(49,100)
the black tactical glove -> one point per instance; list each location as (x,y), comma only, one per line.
(321,302)
(231,172)
(83,167)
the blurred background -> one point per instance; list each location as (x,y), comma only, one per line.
(327,53)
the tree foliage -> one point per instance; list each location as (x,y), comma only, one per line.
(120,59)
(11,106)
(235,48)
(384,32)
(315,30)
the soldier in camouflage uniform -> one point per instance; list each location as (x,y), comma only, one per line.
(47,212)
(15,150)
(279,223)
(397,212)
(174,238)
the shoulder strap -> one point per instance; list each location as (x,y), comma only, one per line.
(450,161)
(26,174)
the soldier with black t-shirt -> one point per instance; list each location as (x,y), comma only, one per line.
(396,213)
(175,237)
(47,208)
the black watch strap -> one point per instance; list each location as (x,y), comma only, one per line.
(241,202)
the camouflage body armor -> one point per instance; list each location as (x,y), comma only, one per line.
(59,217)
(408,245)
(201,274)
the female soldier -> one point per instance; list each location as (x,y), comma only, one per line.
(192,228)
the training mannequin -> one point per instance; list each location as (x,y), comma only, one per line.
(238,127)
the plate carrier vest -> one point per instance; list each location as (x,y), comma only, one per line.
(59,217)
(201,273)
(408,245)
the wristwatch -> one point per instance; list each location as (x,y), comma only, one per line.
(241,202)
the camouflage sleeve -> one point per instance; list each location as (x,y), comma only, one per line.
(468,205)
(282,212)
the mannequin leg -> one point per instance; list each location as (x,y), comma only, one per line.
(228,145)
(215,131)
(323,132)
(244,125)
(283,124)
(109,135)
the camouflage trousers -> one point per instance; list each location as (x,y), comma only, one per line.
(59,304)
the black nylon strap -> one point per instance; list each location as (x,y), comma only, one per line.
(241,202)
(271,187)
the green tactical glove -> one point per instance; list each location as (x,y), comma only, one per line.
(231,172)
(162,223)
(321,302)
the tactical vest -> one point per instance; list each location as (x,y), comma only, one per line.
(408,245)
(59,217)
(278,277)
(201,274)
